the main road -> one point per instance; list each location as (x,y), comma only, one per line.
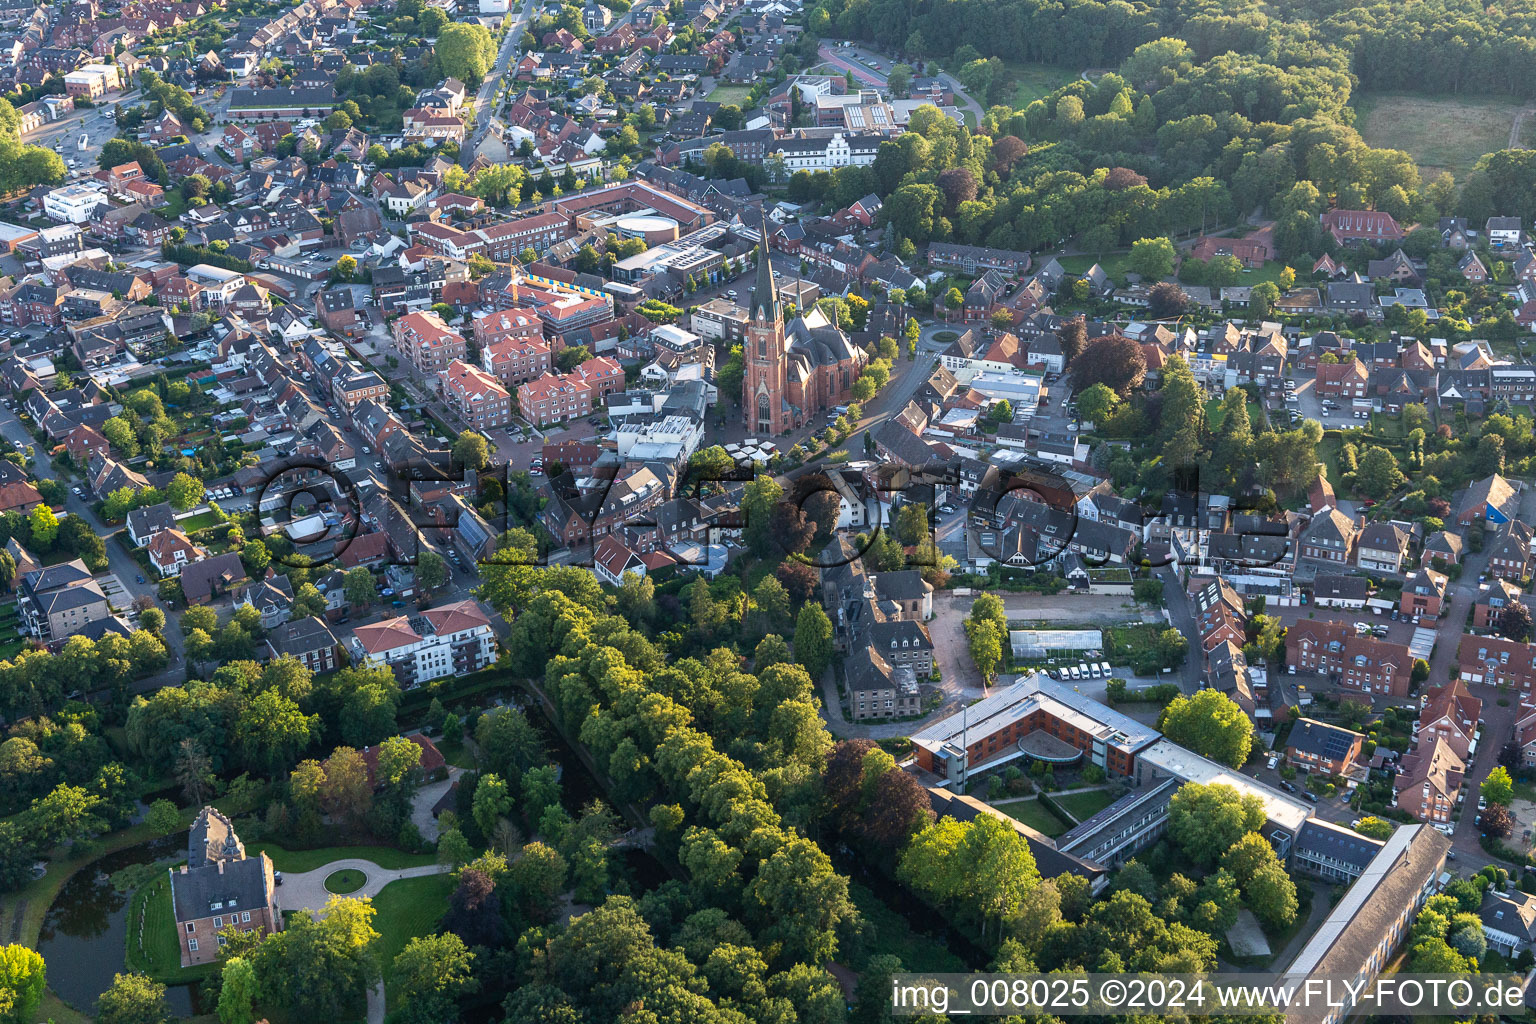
(485,98)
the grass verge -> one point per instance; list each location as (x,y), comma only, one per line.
(309,860)
(405,909)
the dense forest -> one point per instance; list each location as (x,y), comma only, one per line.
(1190,117)
(1440,47)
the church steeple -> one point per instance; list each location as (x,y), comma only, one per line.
(765,298)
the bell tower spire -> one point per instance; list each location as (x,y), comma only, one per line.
(765,297)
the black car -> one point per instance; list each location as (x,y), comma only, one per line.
(1289,787)
(1310,796)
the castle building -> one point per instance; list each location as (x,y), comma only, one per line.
(796,370)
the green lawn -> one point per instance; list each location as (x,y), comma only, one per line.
(159,953)
(1083,806)
(199,522)
(736,94)
(309,860)
(1214,413)
(1031,813)
(405,909)
(1031,82)
(345,882)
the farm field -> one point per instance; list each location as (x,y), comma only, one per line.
(1441,134)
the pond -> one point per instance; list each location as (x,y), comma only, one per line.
(85,931)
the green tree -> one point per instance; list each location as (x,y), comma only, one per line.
(1374,827)
(492,802)
(1262,298)
(1499,788)
(432,972)
(1378,475)
(431,570)
(1206,821)
(471,451)
(22,981)
(184,492)
(1097,403)
(1152,258)
(1211,724)
(813,639)
(163,818)
(465,51)
(45,527)
(986,646)
(132,999)
(237,992)
(359,587)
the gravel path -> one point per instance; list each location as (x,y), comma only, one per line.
(305,890)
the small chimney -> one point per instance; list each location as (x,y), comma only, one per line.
(221,867)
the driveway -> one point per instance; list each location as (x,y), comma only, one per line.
(305,890)
(426,796)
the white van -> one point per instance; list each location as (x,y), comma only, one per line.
(1083,670)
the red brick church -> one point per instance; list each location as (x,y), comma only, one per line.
(793,371)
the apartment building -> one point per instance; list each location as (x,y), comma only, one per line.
(553,398)
(427,342)
(476,396)
(453,639)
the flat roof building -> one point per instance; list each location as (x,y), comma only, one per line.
(990,731)
(1369,922)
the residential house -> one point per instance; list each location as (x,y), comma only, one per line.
(1509,551)
(309,640)
(1320,746)
(453,639)
(1382,546)
(1423,594)
(1430,782)
(212,577)
(1329,537)
(170,551)
(1452,714)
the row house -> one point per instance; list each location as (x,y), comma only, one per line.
(1497,596)
(1347,381)
(580,517)
(1329,537)
(1328,648)
(1220,616)
(1320,746)
(1423,594)
(1496,661)
(1381,547)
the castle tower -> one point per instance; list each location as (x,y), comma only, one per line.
(763,396)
